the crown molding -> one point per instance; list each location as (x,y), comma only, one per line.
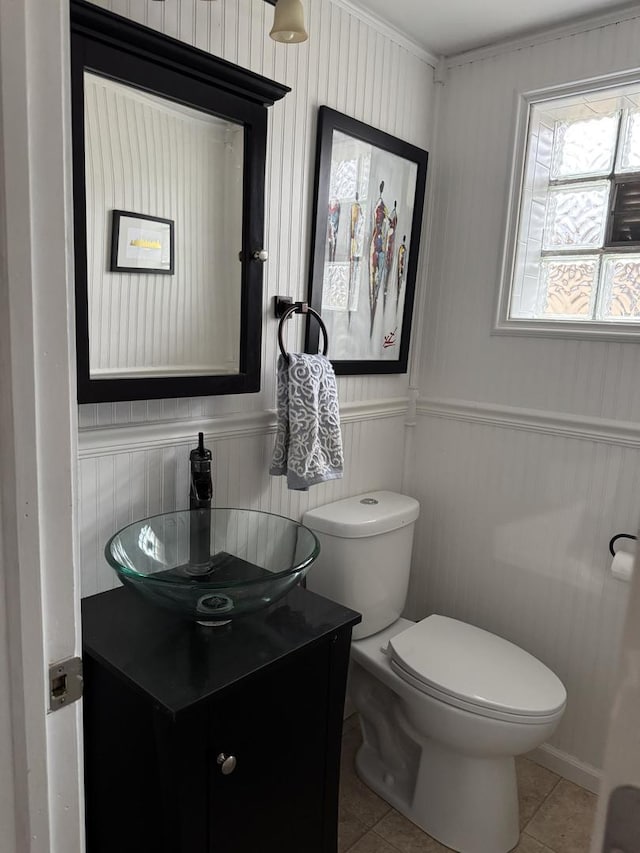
(388,30)
(147,435)
(619,433)
(628,12)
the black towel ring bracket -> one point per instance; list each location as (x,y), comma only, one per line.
(286,308)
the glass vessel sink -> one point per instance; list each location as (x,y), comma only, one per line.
(213,565)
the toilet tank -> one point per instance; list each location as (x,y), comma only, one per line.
(365,555)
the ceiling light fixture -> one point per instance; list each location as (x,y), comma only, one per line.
(288,22)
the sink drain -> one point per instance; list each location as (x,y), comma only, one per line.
(214,605)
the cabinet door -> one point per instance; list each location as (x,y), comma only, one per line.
(275,727)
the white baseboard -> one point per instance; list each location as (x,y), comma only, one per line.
(568,767)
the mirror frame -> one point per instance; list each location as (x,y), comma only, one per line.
(117,48)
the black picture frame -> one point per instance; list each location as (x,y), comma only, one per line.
(118,224)
(347,267)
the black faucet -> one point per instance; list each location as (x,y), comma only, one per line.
(200,494)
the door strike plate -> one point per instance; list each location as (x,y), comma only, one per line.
(65,683)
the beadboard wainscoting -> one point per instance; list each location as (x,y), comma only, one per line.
(122,482)
(517,512)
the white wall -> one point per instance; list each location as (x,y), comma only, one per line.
(528,447)
(134,456)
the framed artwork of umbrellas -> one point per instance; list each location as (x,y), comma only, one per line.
(369,197)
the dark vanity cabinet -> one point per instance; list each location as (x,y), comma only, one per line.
(213,740)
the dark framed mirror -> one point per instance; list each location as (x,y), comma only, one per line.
(169,150)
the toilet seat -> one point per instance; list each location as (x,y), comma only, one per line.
(476,671)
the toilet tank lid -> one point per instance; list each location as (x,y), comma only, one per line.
(363,515)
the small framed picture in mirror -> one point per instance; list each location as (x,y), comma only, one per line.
(141,244)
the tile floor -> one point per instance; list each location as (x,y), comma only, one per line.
(555,815)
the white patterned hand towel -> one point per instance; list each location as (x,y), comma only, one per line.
(308,446)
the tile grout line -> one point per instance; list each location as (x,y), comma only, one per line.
(369,832)
(542,802)
(378,822)
(545,844)
(393,846)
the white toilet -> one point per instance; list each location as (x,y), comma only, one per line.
(444,706)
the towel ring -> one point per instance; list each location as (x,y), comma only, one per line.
(288,309)
(615,539)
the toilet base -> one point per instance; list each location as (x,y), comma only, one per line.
(467,803)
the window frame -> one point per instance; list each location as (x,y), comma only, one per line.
(547,328)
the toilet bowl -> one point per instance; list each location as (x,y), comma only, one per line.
(444,706)
(448,761)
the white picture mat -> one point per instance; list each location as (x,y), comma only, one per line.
(348,315)
(143,243)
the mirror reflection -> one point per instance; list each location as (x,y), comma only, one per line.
(164,193)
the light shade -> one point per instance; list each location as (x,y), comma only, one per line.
(288,22)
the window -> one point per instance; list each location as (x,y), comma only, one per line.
(575,247)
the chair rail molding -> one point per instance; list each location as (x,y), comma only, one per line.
(108,440)
(582,427)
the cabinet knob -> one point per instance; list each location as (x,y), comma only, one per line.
(227,763)
(260,255)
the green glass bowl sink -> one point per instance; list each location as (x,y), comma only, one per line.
(212,565)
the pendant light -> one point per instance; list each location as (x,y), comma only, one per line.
(288,22)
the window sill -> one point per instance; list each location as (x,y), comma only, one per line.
(563,330)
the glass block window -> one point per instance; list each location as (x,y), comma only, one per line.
(577,242)
(576,215)
(629,155)
(569,287)
(621,287)
(584,147)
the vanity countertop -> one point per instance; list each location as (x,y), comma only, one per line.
(180,663)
